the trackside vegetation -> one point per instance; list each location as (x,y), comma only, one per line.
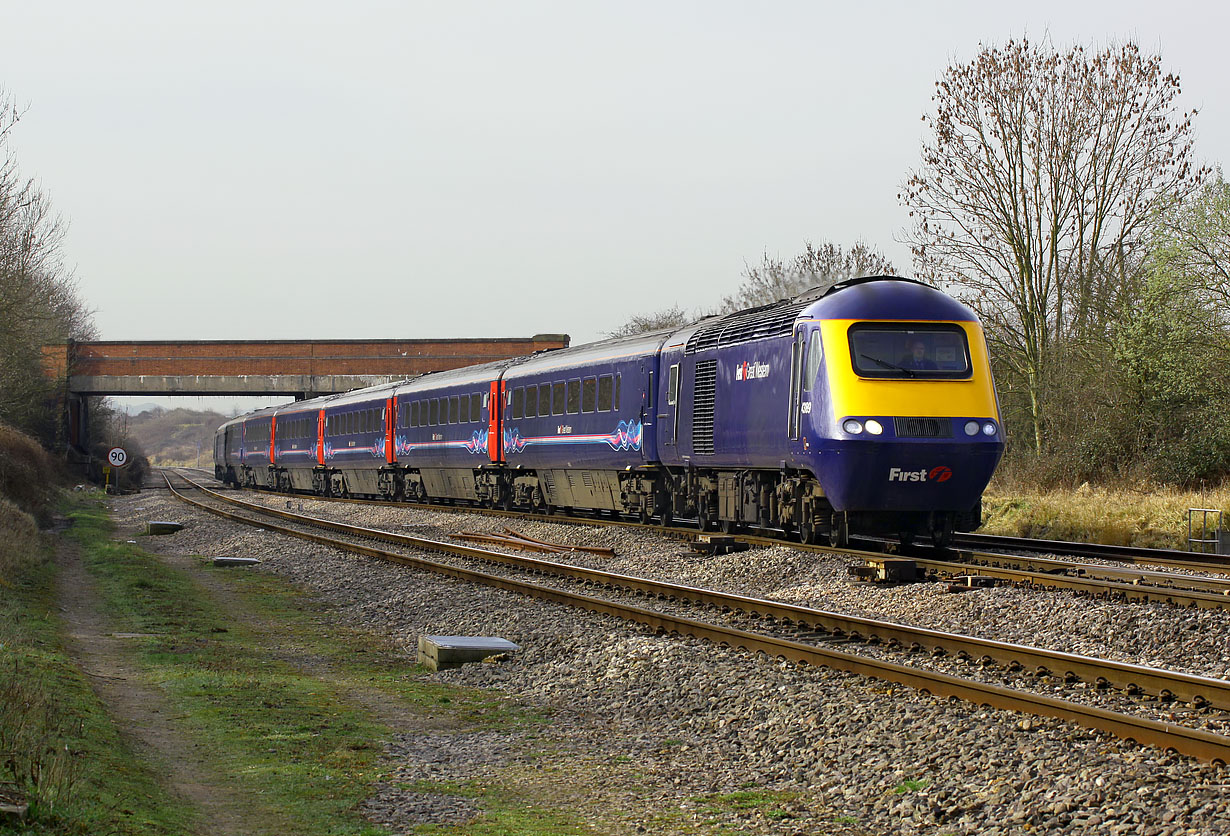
(289,711)
(61,757)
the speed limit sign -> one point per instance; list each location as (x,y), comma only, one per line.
(117,456)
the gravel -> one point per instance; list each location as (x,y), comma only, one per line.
(864,756)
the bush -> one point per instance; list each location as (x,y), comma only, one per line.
(27,474)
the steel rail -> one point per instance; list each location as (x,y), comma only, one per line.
(1093,586)
(1102,588)
(1124,554)
(1195,742)
(1096,570)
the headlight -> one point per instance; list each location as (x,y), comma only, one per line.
(874,427)
(989,428)
(971,428)
(852,426)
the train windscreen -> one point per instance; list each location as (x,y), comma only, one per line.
(908,351)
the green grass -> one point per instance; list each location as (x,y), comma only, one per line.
(911,785)
(58,748)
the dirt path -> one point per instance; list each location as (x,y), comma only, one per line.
(138,708)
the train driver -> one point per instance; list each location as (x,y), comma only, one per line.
(917,358)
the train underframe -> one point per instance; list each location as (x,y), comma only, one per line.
(788,500)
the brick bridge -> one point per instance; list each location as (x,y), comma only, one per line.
(294,368)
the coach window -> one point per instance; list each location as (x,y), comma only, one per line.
(604,393)
(464,418)
(412,414)
(589,394)
(544,399)
(518,404)
(433,412)
(557,398)
(574,397)
(672,386)
(454,409)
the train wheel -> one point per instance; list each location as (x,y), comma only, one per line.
(667,517)
(728,526)
(807,534)
(941,530)
(839,531)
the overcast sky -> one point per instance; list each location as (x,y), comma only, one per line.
(260,170)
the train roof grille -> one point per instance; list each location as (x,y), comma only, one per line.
(757,324)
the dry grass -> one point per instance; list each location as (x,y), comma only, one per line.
(19,541)
(1154,517)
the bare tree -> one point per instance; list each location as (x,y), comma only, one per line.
(822,266)
(38,295)
(672,317)
(1036,189)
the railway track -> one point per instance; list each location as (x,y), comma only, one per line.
(1096,580)
(776,620)
(1171,558)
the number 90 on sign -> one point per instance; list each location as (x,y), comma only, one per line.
(117,456)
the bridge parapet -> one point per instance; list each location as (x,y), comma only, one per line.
(268,367)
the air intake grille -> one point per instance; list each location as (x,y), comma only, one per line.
(923,427)
(704,393)
(757,324)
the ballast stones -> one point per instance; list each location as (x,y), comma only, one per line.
(162,527)
(441,652)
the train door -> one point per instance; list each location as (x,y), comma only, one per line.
(495,437)
(796,379)
(668,418)
(806,356)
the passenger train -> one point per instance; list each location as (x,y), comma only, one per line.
(867,407)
